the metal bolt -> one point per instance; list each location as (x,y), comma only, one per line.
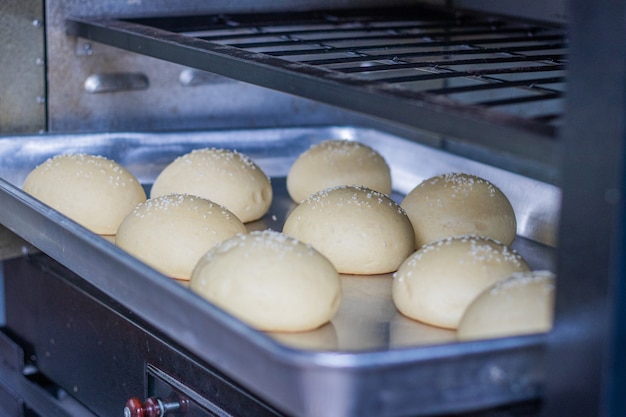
(84,49)
(37,23)
(87,49)
(40,62)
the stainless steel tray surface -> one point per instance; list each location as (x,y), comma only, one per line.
(370,360)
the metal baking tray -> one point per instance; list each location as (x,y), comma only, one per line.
(370,360)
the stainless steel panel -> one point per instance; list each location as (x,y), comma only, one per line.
(166,105)
(22,67)
(370,361)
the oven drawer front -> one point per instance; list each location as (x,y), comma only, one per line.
(103,357)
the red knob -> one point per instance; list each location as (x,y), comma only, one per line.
(133,408)
(154,407)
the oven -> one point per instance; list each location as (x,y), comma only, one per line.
(527,94)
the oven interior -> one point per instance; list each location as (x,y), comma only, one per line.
(504,89)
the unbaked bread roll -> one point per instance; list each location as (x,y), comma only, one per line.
(92,190)
(171,232)
(225,177)
(522,303)
(360,230)
(337,162)
(459,204)
(437,283)
(271,281)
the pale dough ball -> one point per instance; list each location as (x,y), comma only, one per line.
(171,232)
(271,281)
(456,205)
(360,230)
(225,177)
(522,303)
(92,190)
(437,283)
(337,162)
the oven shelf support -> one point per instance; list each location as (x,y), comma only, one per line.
(459,126)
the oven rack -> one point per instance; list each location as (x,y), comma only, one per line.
(484,81)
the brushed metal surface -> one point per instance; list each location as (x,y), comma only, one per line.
(22,67)
(167,105)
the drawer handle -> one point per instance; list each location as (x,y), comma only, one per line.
(155,407)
